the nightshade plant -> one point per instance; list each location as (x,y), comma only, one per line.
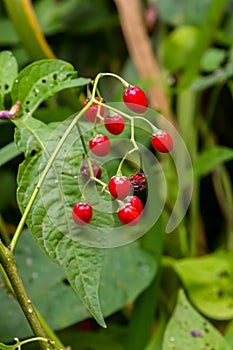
(48,196)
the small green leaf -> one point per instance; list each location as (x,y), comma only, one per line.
(210,159)
(8,72)
(41,80)
(178,45)
(187,329)
(212,59)
(218,77)
(209,283)
(8,153)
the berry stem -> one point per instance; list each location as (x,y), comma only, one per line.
(103,184)
(19,343)
(115,110)
(85,150)
(82,139)
(153,127)
(101,75)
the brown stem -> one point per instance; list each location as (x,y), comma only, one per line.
(140,49)
(8,263)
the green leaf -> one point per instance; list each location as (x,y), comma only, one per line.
(8,72)
(8,153)
(41,80)
(218,77)
(210,159)
(50,219)
(183,11)
(209,283)
(187,329)
(229,333)
(178,45)
(212,59)
(126,272)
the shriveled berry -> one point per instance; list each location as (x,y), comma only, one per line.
(100,145)
(119,187)
(114,124)
(92,111)
(138,182)
(128,215)
(162,141)
(137,203)
(85,170)
(135,99)
(82,213)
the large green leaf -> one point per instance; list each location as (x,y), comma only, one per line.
(187,329)
(50,218)
(8,72)
(41,80)
(209,283)
(126,272)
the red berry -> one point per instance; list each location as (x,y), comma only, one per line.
(82,213)
(85,170)
(115,124)
(128,215)
(162,141)
(138,182)
(136,203)
(135,99)
(119,187)
(100,145)
(91,112)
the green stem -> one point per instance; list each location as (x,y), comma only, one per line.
(8,263)
(206,35)
(49,332)
(101,75)
(30,340)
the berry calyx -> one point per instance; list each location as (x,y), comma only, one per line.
(162,141)
(82,213)
(91,112)
(128,215)
(115,124)
(100,145)
(138,182)
(135,99)
(85,170)
(119,187)
(136,203)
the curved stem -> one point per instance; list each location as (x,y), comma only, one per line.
(101,75)
(34,339)
(153,127)
(25,22)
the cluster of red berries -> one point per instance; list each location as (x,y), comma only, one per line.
(119,186)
